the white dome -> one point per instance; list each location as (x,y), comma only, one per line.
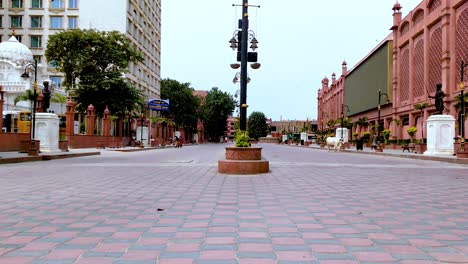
(14,51)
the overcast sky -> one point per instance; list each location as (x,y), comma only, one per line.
(300,43)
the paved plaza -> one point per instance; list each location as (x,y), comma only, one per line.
(171,206)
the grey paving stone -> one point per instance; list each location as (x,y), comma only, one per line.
(334,256)
(260,255)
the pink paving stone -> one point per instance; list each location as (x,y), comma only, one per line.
(425,243)
(404,231)
(18,239)
(16,260)
(254,247)
(288,241)
(185,247)
(317,235)
(62,234)
(450,257)
(418,262)
(44,229)
(256,261)
(343,230)
(253,225)
(294,255)
(5,250)
(220,240)
(127,235)
(373,256)
(324,248)
(196,225)
(148,241)
(7,233)
(283,230)
(224,220)
(176,261)
(401,249)
(85,240)
(33,246)
(64,254)
(109,247)
(95,260)
(141,255)
(199,216)
(382,236)
(138,225)
(105,229)
(253,235)
(310,226)
(164,229)
(116,221)
(363,242)
(217,255)
(62,221)
(222,229)
(463,249)
(338,262)
(446,237)
(190,235)
(333,222)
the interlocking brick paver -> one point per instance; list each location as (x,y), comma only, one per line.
(154,207)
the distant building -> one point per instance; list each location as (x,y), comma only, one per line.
(425,48)
(33,21)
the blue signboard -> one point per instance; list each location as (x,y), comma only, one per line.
(158,104)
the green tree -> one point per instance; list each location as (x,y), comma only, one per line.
(420,108)
(97,59)
(28,95)
(218,106)
(257,125)
(184,107)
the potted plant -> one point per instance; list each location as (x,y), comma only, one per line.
(386,133)
(365,137)
(411,132)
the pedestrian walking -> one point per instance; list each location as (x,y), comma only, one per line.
(177,139)
(181,141)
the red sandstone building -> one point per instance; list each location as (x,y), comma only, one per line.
(424,48)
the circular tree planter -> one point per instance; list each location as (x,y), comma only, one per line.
(243,161)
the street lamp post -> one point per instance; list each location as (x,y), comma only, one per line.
(243,36)
(378,118)
(462,88)
(32,147)
(343,106)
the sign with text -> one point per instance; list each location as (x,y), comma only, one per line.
(158,104)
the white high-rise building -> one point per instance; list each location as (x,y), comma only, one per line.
(33,21)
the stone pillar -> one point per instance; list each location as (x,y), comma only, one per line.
(90,120)
(106,123)
(2,100)
(440,134)
(70,116)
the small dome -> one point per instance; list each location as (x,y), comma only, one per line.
(14,51)
(396,7)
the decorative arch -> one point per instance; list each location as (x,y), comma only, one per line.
(404,75)
(404,28)
(418,68)
(462,39)
(435,56)
(418,16)
(433,5)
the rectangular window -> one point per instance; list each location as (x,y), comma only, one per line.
(18,37)
(56,22)
(72,22)
(1,21)
(57,3)
(36,4)
(36,22)
(56,80)
(17,3)
(16,21)
(36,41)
(72,3)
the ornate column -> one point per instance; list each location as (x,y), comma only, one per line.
(70,115)
(106,123)
(90,118)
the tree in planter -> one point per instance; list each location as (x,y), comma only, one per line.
(355,135)
(421,108)
(365,137)
(411,132)
(386,135)
(398,123)
(458,105)
(257,125)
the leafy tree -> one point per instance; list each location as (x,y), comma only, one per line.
(257,125)
(28,95)
(98,60)
(218,106)
(421,108)
(183,105)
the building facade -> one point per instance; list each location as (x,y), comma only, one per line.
(33,21)
(424,48)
